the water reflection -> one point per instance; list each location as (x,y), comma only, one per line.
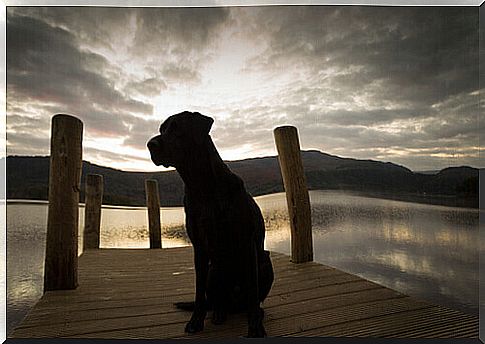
(427,251)
(127,228)
(26,229)
(3,270)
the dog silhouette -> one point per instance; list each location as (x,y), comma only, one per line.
(225,225)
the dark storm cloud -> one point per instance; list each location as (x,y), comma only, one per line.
(424,53)
(45,65)
(90,24)
(420,55)
(375,77)
(174,40)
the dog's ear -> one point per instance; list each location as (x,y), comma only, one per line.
(201,126)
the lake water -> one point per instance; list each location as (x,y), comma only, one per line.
(430,252)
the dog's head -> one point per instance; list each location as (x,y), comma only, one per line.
(179,137)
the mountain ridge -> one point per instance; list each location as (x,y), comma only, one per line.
(27,178)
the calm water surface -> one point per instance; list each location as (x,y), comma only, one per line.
(430,252)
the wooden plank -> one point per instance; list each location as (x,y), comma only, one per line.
(163,304)
(286,325)
(307,299)
(402,324)
(187,288)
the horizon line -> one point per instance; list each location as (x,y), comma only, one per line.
(169,169)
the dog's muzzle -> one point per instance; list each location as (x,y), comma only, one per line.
(155,148)
(153,144)
(158,154)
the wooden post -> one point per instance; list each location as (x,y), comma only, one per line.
(92,210)
(297,197)
(153,205)
(60,270)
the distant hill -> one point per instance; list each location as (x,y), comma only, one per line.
(428,172)
(27,178)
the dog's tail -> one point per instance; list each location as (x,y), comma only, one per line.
(186,306)
(190,306)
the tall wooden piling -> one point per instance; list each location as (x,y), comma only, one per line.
(61,256)
(297,197)
(92,210)
(153,205)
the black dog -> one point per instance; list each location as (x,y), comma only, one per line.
(233,271)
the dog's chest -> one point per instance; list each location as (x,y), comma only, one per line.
(213,223)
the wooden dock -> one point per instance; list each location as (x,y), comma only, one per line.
(125,293)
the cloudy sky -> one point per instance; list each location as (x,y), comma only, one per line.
(395,84)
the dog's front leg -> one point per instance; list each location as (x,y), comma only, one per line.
(201,262)
(255,313)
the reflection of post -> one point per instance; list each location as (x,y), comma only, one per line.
(92,210)
(297,197)
(60,270)
(153,205)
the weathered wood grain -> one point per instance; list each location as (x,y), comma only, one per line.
(61,257)
(130,294)
(298,200)
(92,211)
(153,205)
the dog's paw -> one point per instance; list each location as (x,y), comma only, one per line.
(196,323)
(194,326)
(257,331)
(255,324)
(186,306)
(219,317)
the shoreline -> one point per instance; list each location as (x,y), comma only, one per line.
(438,200)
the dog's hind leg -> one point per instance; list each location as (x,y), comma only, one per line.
(255,313)
(266,274)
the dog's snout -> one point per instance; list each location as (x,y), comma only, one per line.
(157,152)
(153,144)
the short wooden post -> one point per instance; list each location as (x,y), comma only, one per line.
(60,270)
(92,210)
(297,197)
(153,205)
